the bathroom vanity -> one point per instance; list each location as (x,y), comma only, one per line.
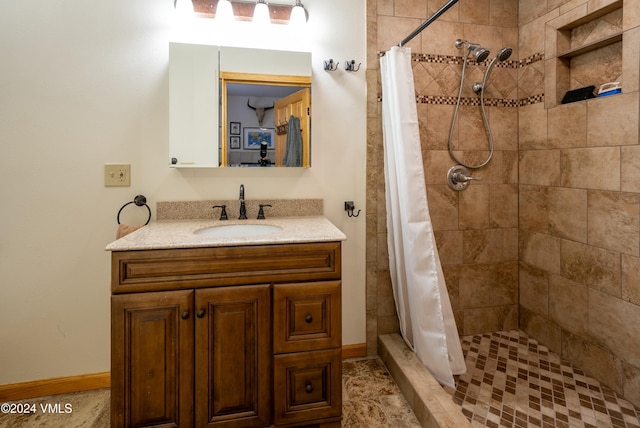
(231,331)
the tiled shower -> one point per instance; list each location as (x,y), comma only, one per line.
(549,240)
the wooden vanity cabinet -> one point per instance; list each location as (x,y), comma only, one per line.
(227,336)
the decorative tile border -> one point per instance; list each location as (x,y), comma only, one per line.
(474,101)
(488,102)
(465,101)
(458,60)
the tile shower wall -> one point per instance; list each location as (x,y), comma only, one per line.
(477,229)
(579,202)
(549,240)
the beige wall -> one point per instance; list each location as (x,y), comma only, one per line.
(549,240)
(86,83)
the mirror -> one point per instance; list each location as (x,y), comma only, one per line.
(268,121)
(239,107)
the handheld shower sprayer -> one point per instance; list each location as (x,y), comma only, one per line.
(504,53)
(502,56)
(480,54)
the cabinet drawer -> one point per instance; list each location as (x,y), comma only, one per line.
(306,316)
(310,385)
(155,270)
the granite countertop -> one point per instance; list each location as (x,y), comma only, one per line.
(169,234)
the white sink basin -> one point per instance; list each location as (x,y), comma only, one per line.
(238,230)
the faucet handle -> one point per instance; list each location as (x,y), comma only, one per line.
(223,213)
(261,211)
(460,177)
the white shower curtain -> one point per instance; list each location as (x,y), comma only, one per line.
(422,301)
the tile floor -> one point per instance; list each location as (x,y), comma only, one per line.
(512,381)
(370,399)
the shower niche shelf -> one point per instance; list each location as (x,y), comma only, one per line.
(579,44)
(602,22)
(592,46)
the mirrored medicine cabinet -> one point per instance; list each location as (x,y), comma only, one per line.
(238,107)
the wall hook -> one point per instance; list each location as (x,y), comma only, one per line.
(330,65)
(351,65)
(349,207)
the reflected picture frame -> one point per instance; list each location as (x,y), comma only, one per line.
(234,142)
(253,137)
(234,128)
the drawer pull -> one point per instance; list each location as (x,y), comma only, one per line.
(200,313)
(308,319)
(308,388)
(185,315)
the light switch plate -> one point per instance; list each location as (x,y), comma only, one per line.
(117,174)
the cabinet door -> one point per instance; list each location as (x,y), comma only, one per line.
(193,106)
(152,359)
(233,357)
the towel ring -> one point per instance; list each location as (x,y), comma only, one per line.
(139,200)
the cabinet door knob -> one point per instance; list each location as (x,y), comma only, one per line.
(185,315)
(308,388)
(308,319)
(200,313)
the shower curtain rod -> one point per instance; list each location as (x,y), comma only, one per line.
(426,23)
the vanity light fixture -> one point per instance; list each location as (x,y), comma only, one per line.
(224,11)
(261,13)
(281,12)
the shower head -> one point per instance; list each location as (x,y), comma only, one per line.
(479,53)
(504,54)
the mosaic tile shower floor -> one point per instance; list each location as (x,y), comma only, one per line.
(512,381)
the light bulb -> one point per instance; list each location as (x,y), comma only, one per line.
(224,12)
(298,15)
(261,13)
(184,8)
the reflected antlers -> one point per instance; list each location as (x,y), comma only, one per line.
(260,111)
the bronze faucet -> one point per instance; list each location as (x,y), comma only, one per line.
(243,208)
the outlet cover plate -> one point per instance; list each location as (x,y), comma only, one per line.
(117,174)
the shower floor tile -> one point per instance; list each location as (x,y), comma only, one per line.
(511,381)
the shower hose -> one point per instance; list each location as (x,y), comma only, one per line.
(484,117)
